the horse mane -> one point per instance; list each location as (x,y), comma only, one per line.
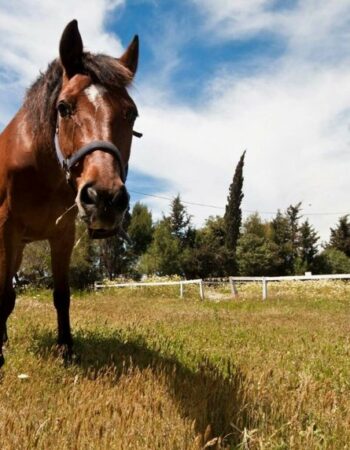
(41,98)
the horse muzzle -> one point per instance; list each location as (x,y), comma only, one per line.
(102,211)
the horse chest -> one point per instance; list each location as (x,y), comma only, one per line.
(35,206)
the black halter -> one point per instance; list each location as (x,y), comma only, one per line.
(67,163)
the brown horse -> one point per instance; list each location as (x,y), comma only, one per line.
(69,144)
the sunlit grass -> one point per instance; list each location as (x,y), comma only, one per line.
(158,372)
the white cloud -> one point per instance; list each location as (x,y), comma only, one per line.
(30,31)
(303,24)
(296,132)
(293,116)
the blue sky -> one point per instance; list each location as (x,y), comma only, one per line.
(215,77)
(199,58)
(201,54)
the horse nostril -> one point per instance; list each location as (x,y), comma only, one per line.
(88,195)
(91,197)
(121,199)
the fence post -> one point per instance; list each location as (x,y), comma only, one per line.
(201,289)
(264,289)
(181,290)
(234,291)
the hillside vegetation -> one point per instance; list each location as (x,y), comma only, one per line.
(157,372)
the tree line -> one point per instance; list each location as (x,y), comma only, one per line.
(225,245)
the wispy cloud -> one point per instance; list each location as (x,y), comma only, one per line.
(306,25)
(30,31)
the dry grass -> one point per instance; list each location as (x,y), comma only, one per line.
(156,372)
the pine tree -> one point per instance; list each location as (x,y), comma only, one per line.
(340,236)
(281,236)
(233,212)
(308,239)
(180,220)
(286,234)
(293,214)
(308,249)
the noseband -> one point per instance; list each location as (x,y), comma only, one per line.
(67,163)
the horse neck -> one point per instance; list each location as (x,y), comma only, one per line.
(34,148)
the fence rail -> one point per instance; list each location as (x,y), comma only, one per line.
(180,283)
(266,280)
(233,281)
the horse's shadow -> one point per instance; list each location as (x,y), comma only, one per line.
(204,395)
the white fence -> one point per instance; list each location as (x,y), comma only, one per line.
(265,280)
(232,280)
(180,283)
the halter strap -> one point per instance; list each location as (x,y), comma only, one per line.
(68,162)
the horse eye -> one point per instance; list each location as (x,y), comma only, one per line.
(64,109)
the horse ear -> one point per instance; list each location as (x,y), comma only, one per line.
(71,49)
(131,56)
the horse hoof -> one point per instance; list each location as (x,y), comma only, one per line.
(71,359)
(68,356)
(2,360)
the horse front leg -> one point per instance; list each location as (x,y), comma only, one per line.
(10,291)
(7,304)
(10,253)
(61,249)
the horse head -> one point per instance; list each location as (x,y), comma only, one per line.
(95,118)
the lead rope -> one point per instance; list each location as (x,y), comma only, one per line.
(80,238)
(58,220)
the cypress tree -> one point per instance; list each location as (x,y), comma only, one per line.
(233,212)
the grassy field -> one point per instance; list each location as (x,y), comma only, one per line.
(157,372)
